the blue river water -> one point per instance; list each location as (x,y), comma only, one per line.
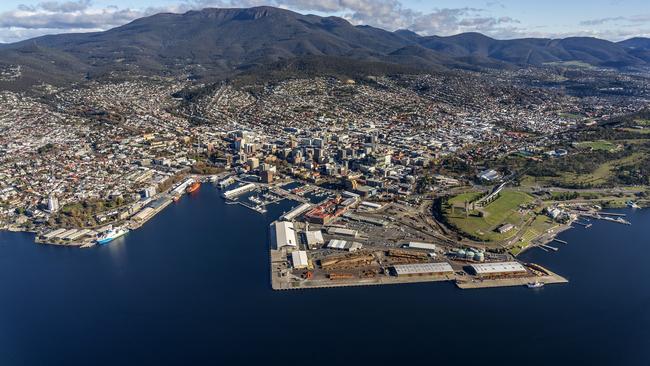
(192,287)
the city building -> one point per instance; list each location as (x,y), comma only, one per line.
(53,204)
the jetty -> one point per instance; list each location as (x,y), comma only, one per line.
(545,246)
(611,217)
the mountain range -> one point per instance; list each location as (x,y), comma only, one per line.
(218,43)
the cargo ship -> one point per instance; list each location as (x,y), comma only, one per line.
(193,187)
(110,235)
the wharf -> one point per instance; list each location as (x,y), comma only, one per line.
(545,246)
(281,279)
(85,243)
(608,217)
(551,278)
(278,284)
(135,224)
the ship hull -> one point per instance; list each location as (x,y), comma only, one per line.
(104,241)
(193,188)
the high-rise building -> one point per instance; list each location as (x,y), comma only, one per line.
(267,176)
(253,163)
(53,204)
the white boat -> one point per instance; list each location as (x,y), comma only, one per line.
(535,284)
(110,235)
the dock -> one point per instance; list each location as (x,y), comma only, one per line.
(552,278)
(545,246)
(259,209)
(465,283)
(288,195)
(608,217)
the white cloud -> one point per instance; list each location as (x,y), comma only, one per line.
(82,15)
(636,19)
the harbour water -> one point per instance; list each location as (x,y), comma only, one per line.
(192,287)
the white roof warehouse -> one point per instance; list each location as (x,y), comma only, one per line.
(283,235)
(299,259)
(501,268)
(422,269)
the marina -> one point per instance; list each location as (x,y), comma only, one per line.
(253,197)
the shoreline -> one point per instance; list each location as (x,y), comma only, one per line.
(283,279)
(560,230)
(135,221)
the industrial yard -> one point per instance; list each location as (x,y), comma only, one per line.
(347,241)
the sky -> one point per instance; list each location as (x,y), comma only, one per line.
(614,20)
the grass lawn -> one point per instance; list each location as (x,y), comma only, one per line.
(642,122)
(571,116)
(504,210)
(465,197)
(599,176)
(602,173)
(644,131)
(598,145)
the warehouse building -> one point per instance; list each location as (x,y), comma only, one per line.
(283,234)
(65,234)
(296,212)
(233,193)
(314,238)
(53,234)
(344,245)
(144,215)
(419,245)
(505,228)
(77,235)
(342,231)
(371,205)
(422,269)
(498,269)
(369,220)
(299,259)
